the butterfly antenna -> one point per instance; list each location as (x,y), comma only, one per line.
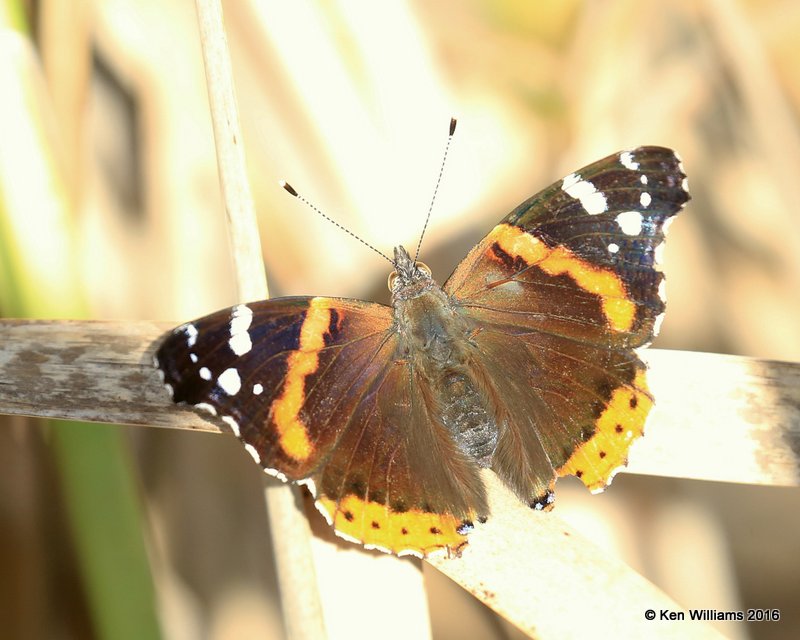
(302,199)
(453,122)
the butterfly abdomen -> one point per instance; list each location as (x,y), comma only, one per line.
(464,412)
(435,340)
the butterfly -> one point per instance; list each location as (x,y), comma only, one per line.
(524,362)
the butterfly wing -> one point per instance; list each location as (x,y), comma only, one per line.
(397,481)
(562,291)
(315,392)
(279,372)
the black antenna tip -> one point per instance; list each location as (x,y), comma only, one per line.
(289,188)
(453,122)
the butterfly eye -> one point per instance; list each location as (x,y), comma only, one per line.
(421,266)
(424,268)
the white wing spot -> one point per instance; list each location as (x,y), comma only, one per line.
(232,424)
(253,453)
(191,334)
(685,185)
(658,253)
(630,222)
(662,290)
(376,547)
(570,181)
(591,199)
(258,389)
(627,161)
(613,247)
(657,323)
(203,406)
(205,373)
(240,342)
(241,318)
(193,357)
(229,381)
(643,179)
(308,482)
(645,199)
(324,512)
(275,474)
(595,203)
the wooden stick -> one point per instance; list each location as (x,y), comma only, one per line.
(723,418)
(546,578)
(717,417)
(242,223)
(291,537)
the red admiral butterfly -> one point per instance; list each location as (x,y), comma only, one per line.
(524,363)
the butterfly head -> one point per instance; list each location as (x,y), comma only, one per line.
(409,278)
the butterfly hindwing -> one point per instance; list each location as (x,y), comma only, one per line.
(562,292)
(397,481)
(573,409)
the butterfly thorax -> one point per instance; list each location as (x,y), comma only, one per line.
(431,333)
(434,340)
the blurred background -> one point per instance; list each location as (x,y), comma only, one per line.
(110,208)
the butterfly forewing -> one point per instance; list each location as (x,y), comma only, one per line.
(581,258)
(283,374)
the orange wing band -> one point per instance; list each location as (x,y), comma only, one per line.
(292,432)
(618,310)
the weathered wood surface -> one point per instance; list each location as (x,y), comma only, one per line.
(724,418)
(93,371)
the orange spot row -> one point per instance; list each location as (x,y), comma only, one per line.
(604,283)
(375,524)
(618,426)
(292,432)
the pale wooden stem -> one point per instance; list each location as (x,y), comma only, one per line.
(291,537)
(242,223)
(551,582)
(717,417)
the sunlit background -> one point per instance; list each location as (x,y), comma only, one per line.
(110,208)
